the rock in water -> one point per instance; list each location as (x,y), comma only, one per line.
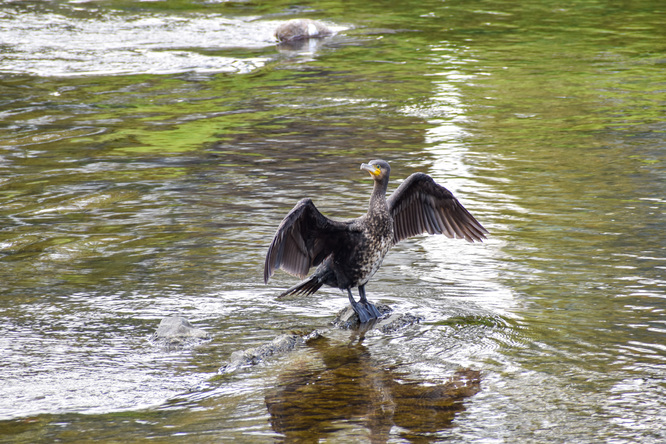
(300,29)
(389,321)
(177,331)
(278,346)
(397,322)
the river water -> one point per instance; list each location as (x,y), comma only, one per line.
(148,151)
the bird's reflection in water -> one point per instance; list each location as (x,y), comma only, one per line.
(309,403)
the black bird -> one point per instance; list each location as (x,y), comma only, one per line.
(349,252)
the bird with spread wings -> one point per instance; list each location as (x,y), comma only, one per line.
(348,253)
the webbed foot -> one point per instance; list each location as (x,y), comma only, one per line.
(365,310)
(372,309)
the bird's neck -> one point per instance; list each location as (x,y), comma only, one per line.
(378,198)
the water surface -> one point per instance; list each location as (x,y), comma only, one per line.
(148,152)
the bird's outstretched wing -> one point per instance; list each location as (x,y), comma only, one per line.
(304,239)
(419,204)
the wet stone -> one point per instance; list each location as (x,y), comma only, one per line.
(301,29)
(397,322)
(278,346)
(388,323)
(345,319)
(176,331)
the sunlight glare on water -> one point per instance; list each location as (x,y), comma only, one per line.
(41,44)
(80,360)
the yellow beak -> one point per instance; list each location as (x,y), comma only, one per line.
(374,170)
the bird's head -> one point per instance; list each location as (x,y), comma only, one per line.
(378,169)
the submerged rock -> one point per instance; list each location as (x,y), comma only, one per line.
(346,319)
(301,29)
(397,322)
(175,331)
(278,346)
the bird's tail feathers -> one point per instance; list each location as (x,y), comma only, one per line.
(306,287)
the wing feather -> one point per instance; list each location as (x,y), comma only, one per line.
(435,228)
(303,240)
(421,205)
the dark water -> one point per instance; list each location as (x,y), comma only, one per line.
(149,150)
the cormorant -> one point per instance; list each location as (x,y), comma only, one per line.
(348,253)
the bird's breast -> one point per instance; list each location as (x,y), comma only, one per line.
(378,241)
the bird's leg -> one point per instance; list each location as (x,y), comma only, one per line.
(370,308)
(360,309)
